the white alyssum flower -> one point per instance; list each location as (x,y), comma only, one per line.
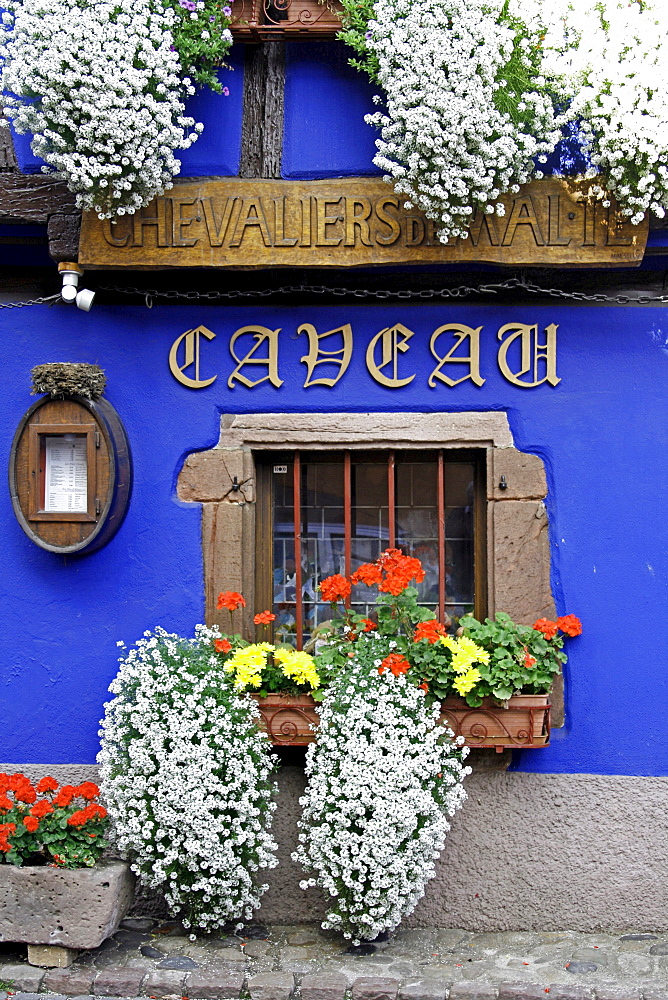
(447,140)
(185,777)
(608,60)
(382,776)
(99,85)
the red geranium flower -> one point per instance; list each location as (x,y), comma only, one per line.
(41,808)
(396,663)
(263,618)
(65,796)
(570,624)
(87,790)
(548,628)
(424,686)
(529,660)
(335,588)
(222,646)
(369,626)
(46,784)
(430,631)
(231,600)
(30,823)
(367,573)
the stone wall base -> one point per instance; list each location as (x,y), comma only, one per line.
(527,852)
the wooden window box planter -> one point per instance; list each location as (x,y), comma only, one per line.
(524,723)
(264,20)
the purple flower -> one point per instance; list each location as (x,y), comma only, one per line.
(188,4)
(368,36)
(212,18)
(227,11)
(226,91)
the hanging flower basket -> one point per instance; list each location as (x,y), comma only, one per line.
(287,719)
(525,722)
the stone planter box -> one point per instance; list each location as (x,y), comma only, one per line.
(524,723)
(71,908)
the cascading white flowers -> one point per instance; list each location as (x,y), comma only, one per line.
(382,776)
(446,141)
(99,85)
(609,62)
(185,778)
(477,91)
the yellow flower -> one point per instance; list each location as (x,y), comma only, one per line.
(465,682)
(465,652)
(247,665)
(298,666)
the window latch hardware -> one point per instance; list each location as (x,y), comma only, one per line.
(503,485)
(235,485)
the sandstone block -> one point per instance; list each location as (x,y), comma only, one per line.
(271,986)
(76,981)
(51,955)
(435,989)
(212,986)
(72,908)
(473,991)
(524,475)
(522,991)
(121,982)
(567,992)
(617,992)
(164,983)
(325,987)
(521,560)
(22,977)
(375,988)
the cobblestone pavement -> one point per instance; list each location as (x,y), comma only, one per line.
(149,958)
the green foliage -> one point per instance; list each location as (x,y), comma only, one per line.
(355,31)
(202,39)
(512,649)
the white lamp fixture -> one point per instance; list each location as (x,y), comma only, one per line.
(70,290)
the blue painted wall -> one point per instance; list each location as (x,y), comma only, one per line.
(601,432)
(325,134)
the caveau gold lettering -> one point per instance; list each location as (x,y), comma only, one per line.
(392,340)
(535,357)
(461,333)
(190,358)
(317,355)
(261,335)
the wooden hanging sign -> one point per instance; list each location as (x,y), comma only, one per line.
(355,222)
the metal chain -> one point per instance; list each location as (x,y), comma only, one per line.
(459,292)
(46,300)
(425,294)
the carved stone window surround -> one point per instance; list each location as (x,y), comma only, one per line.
(518,556)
